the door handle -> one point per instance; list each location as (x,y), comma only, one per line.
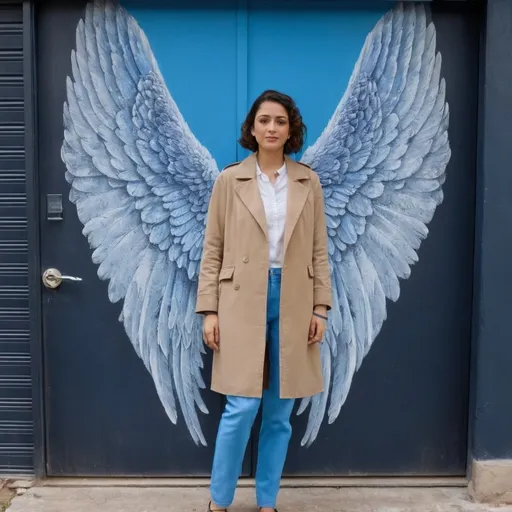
(52,278)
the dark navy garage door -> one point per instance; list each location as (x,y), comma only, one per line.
(16,426)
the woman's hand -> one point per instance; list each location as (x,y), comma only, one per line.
(211,331)
(317,326)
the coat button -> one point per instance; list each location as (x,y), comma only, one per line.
(245,259)
(237,287)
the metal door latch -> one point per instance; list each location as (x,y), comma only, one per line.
(52,278)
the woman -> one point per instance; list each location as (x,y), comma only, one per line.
(264,288)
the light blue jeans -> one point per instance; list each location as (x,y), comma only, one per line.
(238,418)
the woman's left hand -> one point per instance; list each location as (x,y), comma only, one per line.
(316,330)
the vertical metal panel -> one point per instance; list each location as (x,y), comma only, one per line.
(16,427)
(491,377)
(103,416)
(427,331)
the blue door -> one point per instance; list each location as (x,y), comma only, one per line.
(123,393)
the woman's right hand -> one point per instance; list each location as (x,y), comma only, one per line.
(211,331)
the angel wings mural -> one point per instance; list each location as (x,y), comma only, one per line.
(141,184)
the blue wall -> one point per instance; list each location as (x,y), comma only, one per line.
(216,60)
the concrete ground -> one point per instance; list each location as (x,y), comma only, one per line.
(161,499)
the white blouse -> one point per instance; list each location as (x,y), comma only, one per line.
(274,196)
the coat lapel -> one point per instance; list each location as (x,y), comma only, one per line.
(249,191)
(298,191)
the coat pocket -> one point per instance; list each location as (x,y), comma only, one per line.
(311,271)
(226,273)
(225,277)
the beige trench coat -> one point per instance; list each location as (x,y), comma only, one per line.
(233,281)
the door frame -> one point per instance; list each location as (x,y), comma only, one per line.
(34,231)
(34,215)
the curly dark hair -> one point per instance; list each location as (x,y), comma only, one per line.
(297,127)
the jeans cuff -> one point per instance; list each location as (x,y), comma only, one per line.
(220,503)
(265,503)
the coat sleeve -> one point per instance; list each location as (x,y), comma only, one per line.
(322,293)
(213,250)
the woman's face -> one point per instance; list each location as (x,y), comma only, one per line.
(271,126)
